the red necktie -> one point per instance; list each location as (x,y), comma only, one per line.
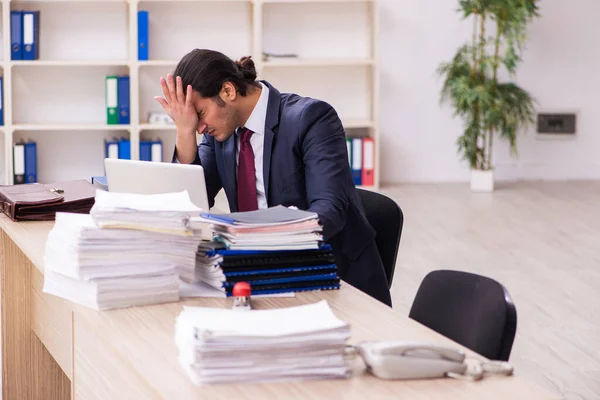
(246,182)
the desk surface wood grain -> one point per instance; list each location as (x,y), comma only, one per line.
(131,352)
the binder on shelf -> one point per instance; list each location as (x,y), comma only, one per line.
(349,148)
(125,149)
(151,150)
(19,163)
(143,35)
(111,148)
(30,162)
(157,151)
(16,35)
(31,35)
(1,100)
(368,168)
(112,116)
(123,99)
(118,148)
(357,149)
(145,150)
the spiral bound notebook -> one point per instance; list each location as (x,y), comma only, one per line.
(267,271)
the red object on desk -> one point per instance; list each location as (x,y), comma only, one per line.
(241,289)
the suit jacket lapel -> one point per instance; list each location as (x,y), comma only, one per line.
(229,163)
(271,122)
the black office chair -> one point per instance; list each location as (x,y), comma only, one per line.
(386,217)
(470,309)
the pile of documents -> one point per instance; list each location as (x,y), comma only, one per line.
(130,250)
(275,250)
(275,228)
(295,343)
(164,213)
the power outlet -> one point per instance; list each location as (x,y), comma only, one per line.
(557,123)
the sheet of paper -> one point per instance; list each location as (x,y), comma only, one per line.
(179,201)
(266,323)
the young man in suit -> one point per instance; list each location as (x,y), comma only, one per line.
(267,148)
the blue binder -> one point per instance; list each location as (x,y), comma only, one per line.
(30,162)
(151,150)
(31,35)
(142,35)
(145,150)
(16,35)
(1,100)
(123,99)
(125,149)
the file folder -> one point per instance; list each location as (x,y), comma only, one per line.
(145,150)
(125,149)
(1,100)
(151,150)
(368,168)
(357,160)
(349,149)
(111,149)
(112,116)
(31,35)
(143,35)
(19,163)
(123,99)
(16,35)
(156,152)
(30,162)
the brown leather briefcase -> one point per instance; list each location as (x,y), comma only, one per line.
(41,202)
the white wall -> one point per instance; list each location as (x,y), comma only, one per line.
(418,140)
(560,69)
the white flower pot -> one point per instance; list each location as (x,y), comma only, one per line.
(482,181)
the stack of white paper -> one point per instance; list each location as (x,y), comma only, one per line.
(165,213)
(224,345)
(275,228)
(138,261)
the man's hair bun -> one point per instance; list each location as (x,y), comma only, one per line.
(247,69)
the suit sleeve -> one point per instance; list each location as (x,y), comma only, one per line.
(327,172)
(205,156)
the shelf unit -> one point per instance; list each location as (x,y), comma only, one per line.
(83,41)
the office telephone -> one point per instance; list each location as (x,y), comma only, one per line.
(416,360)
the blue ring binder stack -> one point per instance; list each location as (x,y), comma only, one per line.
(275,250)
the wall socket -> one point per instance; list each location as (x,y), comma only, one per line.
(556,123)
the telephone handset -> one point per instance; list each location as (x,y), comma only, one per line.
(411,360)
(418,360)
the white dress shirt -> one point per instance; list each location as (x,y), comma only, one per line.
(256,123)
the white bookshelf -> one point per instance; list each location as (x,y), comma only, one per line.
(59,100)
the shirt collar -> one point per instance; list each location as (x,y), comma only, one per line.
(256,121)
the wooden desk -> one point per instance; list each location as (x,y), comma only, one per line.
(54,349)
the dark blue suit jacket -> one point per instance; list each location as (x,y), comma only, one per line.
(305,164)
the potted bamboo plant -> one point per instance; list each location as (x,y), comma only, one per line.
(472,85)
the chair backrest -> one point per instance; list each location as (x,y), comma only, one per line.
(470,309)
(386,217)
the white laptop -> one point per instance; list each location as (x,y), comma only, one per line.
(146,177)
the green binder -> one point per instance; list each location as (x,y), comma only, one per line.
(112,115)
